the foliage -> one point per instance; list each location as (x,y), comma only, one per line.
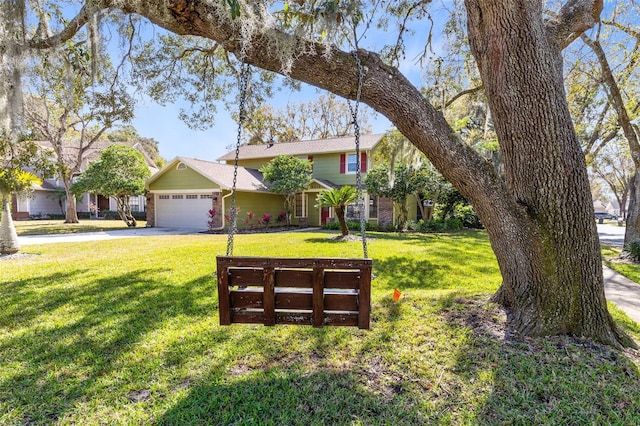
(128,133)
(634,250)
(323,118)
(128,330)
(400,182)
(119,172)
(211,222)
(338,199)
(288,176)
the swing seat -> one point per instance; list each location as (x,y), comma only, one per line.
(303,291)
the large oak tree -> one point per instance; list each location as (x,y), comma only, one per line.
(539,218)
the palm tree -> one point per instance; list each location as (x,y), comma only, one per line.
(12,181)
(338,198)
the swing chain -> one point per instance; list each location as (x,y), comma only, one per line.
(356,132)
(233,212)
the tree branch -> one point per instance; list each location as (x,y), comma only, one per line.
(463,93)
(574,18)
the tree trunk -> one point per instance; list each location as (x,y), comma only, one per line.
(632,231)
(547,247)
(341,220)
(8,237)
(124,211)
(71,214)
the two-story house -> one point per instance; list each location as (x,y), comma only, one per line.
(183,192)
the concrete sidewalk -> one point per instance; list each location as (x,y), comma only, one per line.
(623,292)
(101,235)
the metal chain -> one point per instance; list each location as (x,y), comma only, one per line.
(244,79)
(356,133)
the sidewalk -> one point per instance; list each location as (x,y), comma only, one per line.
(101,235)
(623,292)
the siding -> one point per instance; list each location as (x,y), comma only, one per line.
(327,166)
(45,202)
(181,180)
(259,204)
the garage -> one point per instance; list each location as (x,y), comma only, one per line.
(183,210)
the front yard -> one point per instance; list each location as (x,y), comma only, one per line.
(125,331)
(50,227)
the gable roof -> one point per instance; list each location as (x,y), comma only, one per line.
(220,174)
(317,146)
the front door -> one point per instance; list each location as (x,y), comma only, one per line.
(324,215)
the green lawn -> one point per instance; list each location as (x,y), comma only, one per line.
(50,227)
(126,332)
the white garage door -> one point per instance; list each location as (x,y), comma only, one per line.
(183,211)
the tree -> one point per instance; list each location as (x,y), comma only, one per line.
(288,176)
(128,133)
(17,182)
(71,108)
(338,198)
(397,184)
(539,217)
(614,167)
(120,172)
(326,117)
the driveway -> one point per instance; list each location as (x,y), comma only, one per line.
(102,235)
(611,234)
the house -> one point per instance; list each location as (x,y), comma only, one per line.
(183,192)
(48,199)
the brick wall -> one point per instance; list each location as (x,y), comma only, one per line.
(151,211)
(385,211)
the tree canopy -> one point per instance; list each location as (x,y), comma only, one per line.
(120,172)
(288,176)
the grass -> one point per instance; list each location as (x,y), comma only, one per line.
(50,227)
(129,334)
(628,269)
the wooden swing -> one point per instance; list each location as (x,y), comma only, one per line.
(303,291)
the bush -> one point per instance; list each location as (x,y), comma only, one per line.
(633,249)
(113,215)
(352,225)
(467,216)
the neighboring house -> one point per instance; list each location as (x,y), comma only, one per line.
(182,193)
(49,198)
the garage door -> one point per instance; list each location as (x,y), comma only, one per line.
(183,211)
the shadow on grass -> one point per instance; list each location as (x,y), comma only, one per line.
(285,397)
(409,273)
(70,338)
(552,381)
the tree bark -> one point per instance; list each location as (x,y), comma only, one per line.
(341,220)
(71,213)
(540,221)
(8,237)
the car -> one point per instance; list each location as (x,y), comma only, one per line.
(605,215)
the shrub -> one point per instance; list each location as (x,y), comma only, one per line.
(633,249)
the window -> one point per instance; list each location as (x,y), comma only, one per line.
(351,163)
(373,207)
(299,210)
(177,197)
(192,197)
(206,196)
(354,211)
(163,197)
(348,163)
(181,166)
(134,203)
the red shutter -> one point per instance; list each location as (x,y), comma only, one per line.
(343,160)
(363,162)
(310,158)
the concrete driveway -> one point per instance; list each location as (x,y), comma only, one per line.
(102,235)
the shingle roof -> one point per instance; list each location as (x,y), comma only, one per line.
(318,146)
(222,174)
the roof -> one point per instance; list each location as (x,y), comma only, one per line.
(221,174)
(318,146)
(70,150)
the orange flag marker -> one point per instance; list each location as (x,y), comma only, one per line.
(396,294)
